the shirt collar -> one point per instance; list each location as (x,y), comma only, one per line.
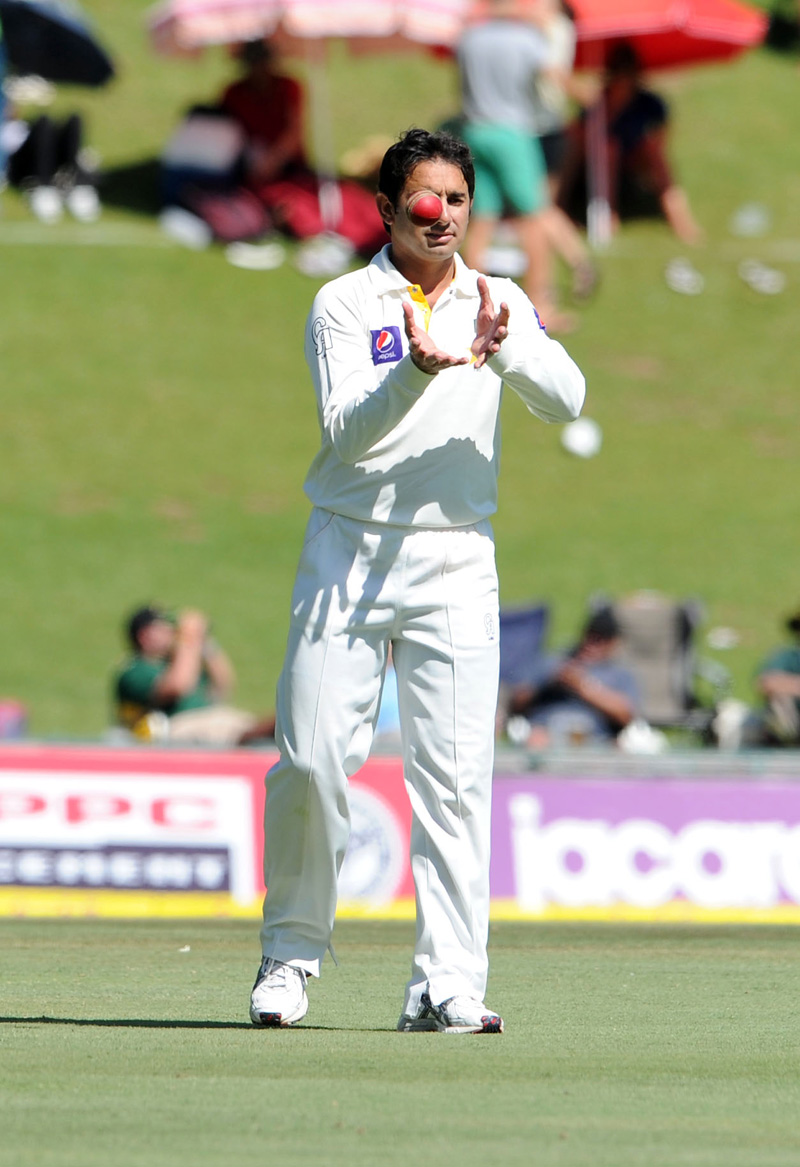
(387,279)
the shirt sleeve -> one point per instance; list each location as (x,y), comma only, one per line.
(535,366)
(357,404)
(624,682)
(781,660)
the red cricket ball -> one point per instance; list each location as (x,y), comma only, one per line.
(424,207)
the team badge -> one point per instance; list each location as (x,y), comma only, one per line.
(386,345)
(321,333)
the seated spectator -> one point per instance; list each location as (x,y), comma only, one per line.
(640,176)
(581,696)
(777,721)
(176,684)
(269,107)
(778,682)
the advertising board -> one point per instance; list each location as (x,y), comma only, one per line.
(141,832)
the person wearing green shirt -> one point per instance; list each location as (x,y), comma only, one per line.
(178,681)
(778,682)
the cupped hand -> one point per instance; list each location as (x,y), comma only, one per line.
(491,328)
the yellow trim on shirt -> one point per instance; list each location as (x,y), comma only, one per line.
(419,298)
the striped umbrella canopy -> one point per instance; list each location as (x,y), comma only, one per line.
(187,25)
(667,33)
(304,27)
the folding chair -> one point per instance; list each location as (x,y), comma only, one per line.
(523,632)
(658,645)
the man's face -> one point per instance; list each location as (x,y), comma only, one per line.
(595,649)
(157,638)
(429,242)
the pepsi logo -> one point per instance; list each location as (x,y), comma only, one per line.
(386,344)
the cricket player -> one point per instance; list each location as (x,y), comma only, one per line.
(408,357)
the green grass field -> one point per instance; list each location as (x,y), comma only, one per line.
(128,1043)
(157,420)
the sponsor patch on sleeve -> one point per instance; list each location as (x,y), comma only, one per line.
(386,345)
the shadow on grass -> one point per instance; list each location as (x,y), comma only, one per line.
(126,1022)
(151,1023)
(133,187)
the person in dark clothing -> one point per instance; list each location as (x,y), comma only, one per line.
(584,695)
(640,174)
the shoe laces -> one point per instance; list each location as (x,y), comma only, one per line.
(454,1006)
(275,974)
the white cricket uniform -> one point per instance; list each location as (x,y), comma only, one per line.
(399,548)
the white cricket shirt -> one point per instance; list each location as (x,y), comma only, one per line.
(402,447)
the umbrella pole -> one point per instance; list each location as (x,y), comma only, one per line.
(598,210)
(330,199)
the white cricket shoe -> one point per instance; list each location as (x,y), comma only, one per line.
(279,995)
(422,1021)
(455,1015)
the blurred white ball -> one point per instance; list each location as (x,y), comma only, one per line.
(582,437)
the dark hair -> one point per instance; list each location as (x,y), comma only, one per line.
(254,52)
(140,619)
(417,146)
(602,625)
(623,60)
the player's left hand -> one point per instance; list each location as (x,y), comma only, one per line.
(491,328)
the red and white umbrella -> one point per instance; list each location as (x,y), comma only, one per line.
(665,34)
(187,25)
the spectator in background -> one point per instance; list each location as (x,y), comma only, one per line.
(778,683)
(640,175)
(580,696)
(176,684)
(499,61)
(555,86)
(268,105)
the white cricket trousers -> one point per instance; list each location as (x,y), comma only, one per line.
(433,595)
